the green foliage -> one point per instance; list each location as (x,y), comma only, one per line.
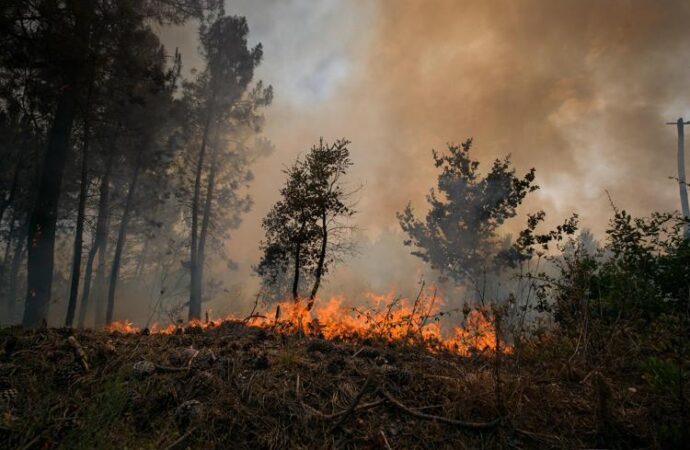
(459,236)
(641,272)
(305,228)
(102,414)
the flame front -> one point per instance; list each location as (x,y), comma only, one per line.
(384,318)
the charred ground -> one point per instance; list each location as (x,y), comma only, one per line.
(234,386)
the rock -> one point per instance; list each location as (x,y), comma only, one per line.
(143,368)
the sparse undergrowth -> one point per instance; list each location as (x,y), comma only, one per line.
(243,387)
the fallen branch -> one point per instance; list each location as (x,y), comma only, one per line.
(181,439)
(171,369)
(385,441)
(354,404)
(361,407)
(79,352)
(421,415)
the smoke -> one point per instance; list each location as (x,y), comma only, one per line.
(578,89)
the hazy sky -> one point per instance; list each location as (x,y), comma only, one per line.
(578,89)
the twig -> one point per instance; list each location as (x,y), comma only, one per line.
(428,313)
(357,352)
(361,407)
(251,314)
(32,441)
(421,415)
(414,308)
(181,438)
(385,441)
(171,369)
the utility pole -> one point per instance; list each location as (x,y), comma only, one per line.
(681,173)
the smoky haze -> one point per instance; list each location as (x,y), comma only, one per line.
(580,90)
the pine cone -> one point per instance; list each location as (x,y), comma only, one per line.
(7,398)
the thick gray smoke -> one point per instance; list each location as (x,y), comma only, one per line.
(579,89)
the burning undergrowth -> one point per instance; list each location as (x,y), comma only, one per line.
(383,318)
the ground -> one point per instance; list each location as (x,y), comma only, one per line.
(233,386)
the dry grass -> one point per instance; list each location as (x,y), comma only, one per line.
(251,388)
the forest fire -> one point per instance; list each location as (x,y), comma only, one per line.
(384,318)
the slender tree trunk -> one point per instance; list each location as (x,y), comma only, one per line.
(8,246)
(100,285)
(295,278)
(99,242)
(143,258)
(13,191)
(99,246)
(119,246)
(88,272)
(43,218)
(6,258)
(78,237)
(17,257)
(321,261)
(205,223)
(194,300)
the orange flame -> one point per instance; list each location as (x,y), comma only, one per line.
(124,326)
(386,318)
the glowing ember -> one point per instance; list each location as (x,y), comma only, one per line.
(386,318)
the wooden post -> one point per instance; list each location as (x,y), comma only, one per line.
(682,186)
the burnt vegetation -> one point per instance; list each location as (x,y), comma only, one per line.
(122,178)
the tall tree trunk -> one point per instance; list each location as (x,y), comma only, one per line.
(88,273)
(43,218)
(119,246)
(6,202)
(17,257)
(100,285)
(194,287)
(321,261)
(205,223)
(6,258)
(8,246)
(78,237)
(143,258)
(100,240)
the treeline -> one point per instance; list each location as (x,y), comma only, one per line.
(115,166)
